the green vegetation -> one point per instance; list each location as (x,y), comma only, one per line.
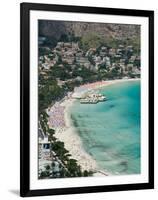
(69,38)
(48,91)
(43,121)
(61,73)
(82,72)
(43,51)
(90,40)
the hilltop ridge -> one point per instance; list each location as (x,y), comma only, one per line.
(51,28)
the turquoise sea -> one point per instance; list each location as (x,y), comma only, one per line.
(110,130)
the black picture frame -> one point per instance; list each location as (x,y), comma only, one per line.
(25,9)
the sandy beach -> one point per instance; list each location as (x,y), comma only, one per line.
(99,84)
(72,141)
(67,133)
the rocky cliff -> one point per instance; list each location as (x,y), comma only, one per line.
(117,31)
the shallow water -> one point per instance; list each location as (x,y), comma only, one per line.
(110,130)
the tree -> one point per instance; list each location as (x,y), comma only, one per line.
(64,38)
(47,167)
(72,166)
(44,174)
(43,122)
(91,60)
(90,40)
(102,66)
(85,173)
(51,133)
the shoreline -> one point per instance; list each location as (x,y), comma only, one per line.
(71,139)
(99,84)
(73,142)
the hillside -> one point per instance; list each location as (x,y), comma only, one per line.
(50,28)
